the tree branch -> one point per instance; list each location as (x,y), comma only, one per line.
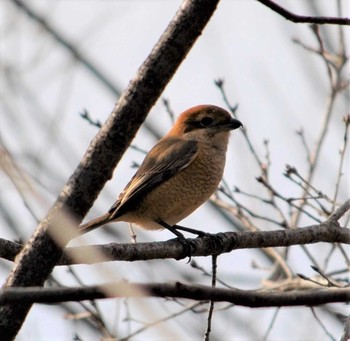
(247,298)
(304,18)
(328,231)
(337,214)
(41,253)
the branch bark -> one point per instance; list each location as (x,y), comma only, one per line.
(247,298)
(39,256)
(328,231)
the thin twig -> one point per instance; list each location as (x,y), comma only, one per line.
(304,18)
(322,325)
(280,196)
(335,81)
(300,133)
(211,304)
(195,265)
(346,120)
(272,322)
(96,315)
(345,255)
(330,282)
(86,116)
(308,195)
(326,57)
(166,318)
(250,212)
(168,109)
(220,85)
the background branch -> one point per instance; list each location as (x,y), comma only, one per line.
(304,18)
(247,298)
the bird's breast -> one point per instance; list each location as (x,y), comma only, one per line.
(179,196)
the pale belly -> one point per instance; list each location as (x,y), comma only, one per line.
(180,195)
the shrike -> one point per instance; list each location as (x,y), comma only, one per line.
(178,175)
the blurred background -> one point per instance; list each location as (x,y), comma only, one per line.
(59,59)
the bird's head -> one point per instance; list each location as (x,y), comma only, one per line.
(206,123)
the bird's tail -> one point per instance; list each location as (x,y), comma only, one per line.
(94,223)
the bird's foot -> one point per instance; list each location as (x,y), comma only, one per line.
(215,239)
(187,247)
(190,230)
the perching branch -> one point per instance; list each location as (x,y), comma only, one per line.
(328,231)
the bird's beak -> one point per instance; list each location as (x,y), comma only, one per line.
(234,124)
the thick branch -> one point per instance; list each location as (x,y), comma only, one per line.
(304,18)
(247,298)
(40,255)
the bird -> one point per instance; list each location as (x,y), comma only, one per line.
(177,175)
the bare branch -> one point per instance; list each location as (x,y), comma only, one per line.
(331,337)
(304,18)
(211,303)
(328,231)
(247,298)
(190,307)
(346,120)
(220,84)
(340,211)
(335,79)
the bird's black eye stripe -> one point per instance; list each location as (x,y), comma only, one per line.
(206,121)
(197,123)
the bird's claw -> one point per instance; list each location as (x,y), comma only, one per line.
(186,247)
(215,240)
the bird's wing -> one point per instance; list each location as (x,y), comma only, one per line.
(164,160)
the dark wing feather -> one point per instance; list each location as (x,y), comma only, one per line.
(166,159)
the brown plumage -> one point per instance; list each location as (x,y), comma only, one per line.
(178,174)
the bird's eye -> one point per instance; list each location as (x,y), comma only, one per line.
(206,121)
